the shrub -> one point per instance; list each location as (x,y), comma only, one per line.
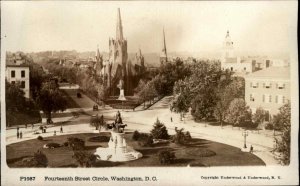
(41,159)
(40,138)
(166,157)
(66,144)
(159,131)
(85,159)
(135,135)
(145,140)
(181,137)
(37,160)
(53,145)
(76,143)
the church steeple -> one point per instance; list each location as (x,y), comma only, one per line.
(119,35)
(164,57)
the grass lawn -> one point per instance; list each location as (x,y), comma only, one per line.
(225,155)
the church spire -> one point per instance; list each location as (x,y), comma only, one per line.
(119,35)
(163,56)
(164,50)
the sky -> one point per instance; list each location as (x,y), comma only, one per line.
(267,26)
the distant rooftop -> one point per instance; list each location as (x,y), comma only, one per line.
(271,73)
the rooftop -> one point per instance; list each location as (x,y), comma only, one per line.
(271,73)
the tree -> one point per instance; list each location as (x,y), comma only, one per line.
(51,99)
(181,102)
(238,113)
(15,99)
(283,117)
(284,142)
(159,130)
(259,116)
(148,92)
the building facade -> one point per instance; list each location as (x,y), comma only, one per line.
(269,89)
(19,74)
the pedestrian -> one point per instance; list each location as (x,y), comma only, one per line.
(55,133)
(61,129)
(18,128)
(32,125)
(251,149)
(21,135)
(171,119)
(18,135)
(26,126)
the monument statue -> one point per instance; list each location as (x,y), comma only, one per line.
(117,147)
(121,87)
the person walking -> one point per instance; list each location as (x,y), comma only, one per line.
(21,135)
(55,133)
(251,149)
(26,126)
(61,129)
(32,125)
(171,119)
(18,135)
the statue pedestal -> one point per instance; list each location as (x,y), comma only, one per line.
(122,96)
(117,149)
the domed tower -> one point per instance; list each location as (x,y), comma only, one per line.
(228,50)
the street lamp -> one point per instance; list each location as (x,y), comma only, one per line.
(245,134)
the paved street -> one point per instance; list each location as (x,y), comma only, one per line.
(143,120)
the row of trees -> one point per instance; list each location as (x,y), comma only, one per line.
(212,93)
(162,83)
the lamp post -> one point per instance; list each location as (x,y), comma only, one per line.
(245,134)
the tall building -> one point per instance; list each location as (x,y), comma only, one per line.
(118,68)
(268,88)
(164,57)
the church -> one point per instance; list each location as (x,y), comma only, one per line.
(118,68)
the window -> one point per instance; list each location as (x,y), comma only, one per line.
(283,99)
(263,98)
(23,73)
(255,85)
(13,82)
(268,85)
(251,97)
(13,74)
(270,98)
(276,99)
(22,84)
(281,85)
